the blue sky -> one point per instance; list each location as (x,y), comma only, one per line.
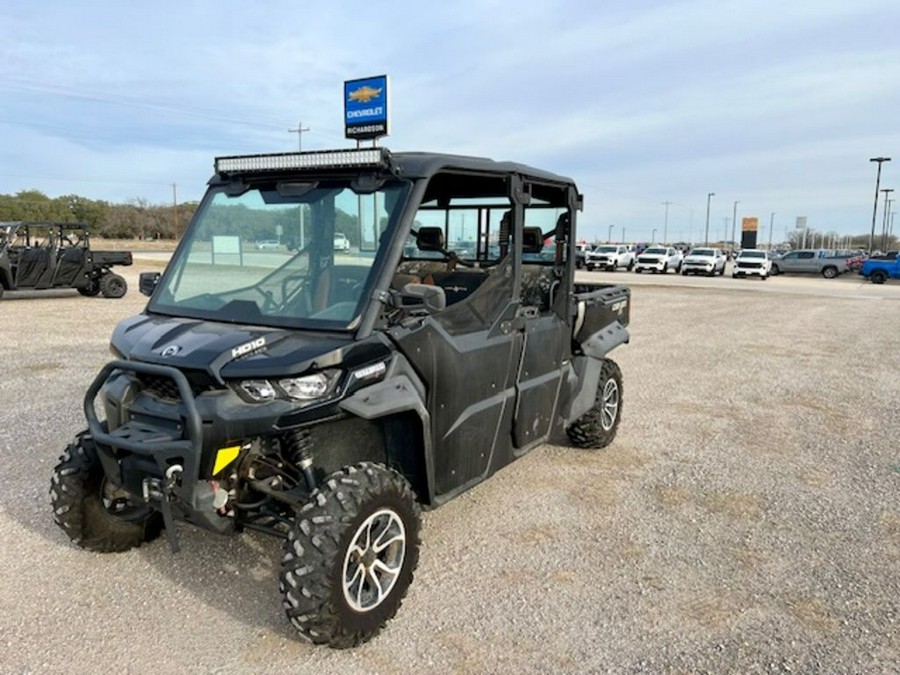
(777,105)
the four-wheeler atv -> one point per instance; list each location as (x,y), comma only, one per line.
(324,397)
(45,255)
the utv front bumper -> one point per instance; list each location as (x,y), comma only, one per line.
(164,449)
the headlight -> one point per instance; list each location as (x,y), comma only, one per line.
(310,387)
(306,389)
(258,390)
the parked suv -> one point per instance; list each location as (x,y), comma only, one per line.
(659,259)
(326,399)
(610,257)
(708,261)
(752,262)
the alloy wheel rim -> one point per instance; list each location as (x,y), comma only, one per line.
(609,408)
(374,560)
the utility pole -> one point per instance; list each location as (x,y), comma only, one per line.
(708,197)
(733,223)
(623,234)
(175,209)
(609,235)
(875,208)
(666,224)
(887,209)
(771,227)
(299,131)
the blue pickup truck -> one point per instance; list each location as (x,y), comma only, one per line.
(880,270)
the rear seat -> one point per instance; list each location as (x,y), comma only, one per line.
(458,284)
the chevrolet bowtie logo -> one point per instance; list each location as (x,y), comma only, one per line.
(365,94)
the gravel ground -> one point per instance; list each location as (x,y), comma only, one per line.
(746,519)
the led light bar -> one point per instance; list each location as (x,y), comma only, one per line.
(327,159)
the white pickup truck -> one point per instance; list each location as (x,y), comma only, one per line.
(609,257)
(752,262)
(708,261)
(659,259)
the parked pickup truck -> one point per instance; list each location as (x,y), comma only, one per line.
(708,261)
(752,262)
(879,270)
(659,259)
(610,257)
(810,261)
(39,256)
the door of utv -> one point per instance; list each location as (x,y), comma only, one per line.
(468,356)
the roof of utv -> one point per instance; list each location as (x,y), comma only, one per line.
(406,164)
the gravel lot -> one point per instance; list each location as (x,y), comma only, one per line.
(747,518)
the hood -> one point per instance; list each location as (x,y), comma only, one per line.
(234,351)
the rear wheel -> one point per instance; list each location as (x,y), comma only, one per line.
(878,277)
(775,269)
(96,514)
(597,427)
(113,286)
(350,555)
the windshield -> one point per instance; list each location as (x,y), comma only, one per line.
(657,251)
(606,249)
(276,255)
(752,254)
(706,252)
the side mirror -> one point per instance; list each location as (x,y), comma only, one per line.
(147,282)
(422,296)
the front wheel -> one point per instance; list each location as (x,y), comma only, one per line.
(775,270)
(830,272)
(92,289)
(350,555)
(878,277)
(96,514)
(597,427)
(113,286)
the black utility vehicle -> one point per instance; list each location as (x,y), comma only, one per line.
(44,255)
(324,397)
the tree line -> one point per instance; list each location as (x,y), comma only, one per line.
(136,219)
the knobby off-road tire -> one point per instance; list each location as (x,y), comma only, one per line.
(96,515)
(350,555)
(597,427)
(113,286)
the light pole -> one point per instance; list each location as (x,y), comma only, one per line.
(733,223)
(887,208)
(666,223)
(609,236)
(623,234)
(653,236)
(771,227)
(713,194)
(875,208)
